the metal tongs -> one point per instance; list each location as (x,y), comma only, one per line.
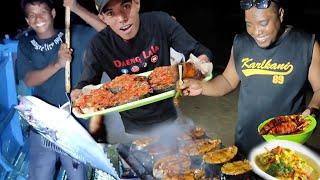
(178,88)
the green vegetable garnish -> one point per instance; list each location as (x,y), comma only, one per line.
(280,169)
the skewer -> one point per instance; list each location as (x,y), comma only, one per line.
(178,90)
(67,40)
(180,74)
(68,63)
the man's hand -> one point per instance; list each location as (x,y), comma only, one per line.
(75,94)
(64,55)
(311,111)
(202,63)
(191,87)
(203,58)
(306,112)
(96,123)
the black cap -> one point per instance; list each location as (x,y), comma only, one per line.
(100,4)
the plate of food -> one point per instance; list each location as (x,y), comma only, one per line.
(220,156)
(240,169)
(289,127)
(280,159)
(128,91)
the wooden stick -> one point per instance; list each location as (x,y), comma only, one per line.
(67,40)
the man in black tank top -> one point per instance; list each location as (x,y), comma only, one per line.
(272,64)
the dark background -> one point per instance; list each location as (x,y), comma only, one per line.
(214,23)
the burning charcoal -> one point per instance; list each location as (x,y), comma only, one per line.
(124,151)
(212,170)
(145,159)
(196,162)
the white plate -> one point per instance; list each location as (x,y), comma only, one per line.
(273,144)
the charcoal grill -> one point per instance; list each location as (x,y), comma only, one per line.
(142,164)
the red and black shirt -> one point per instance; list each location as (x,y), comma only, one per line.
(149,49)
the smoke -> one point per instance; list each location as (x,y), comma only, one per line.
(170,132)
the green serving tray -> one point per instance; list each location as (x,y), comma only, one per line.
(133,104)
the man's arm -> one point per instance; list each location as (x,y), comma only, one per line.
(89,17)
(38,77)
(226,82)
(219,86)
(314,77)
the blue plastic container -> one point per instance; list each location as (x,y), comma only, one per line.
(11,139)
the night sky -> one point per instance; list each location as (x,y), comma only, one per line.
(214,23)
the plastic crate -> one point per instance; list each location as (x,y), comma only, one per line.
(11,139)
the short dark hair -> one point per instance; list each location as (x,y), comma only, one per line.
(24,3)
(275,5)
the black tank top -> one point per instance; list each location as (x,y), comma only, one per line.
(273,81)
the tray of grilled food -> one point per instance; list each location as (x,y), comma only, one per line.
(190,154)
(129,91)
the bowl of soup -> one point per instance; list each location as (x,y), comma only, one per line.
(281,159)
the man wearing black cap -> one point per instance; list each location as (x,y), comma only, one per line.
(133,43)
(272,63)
